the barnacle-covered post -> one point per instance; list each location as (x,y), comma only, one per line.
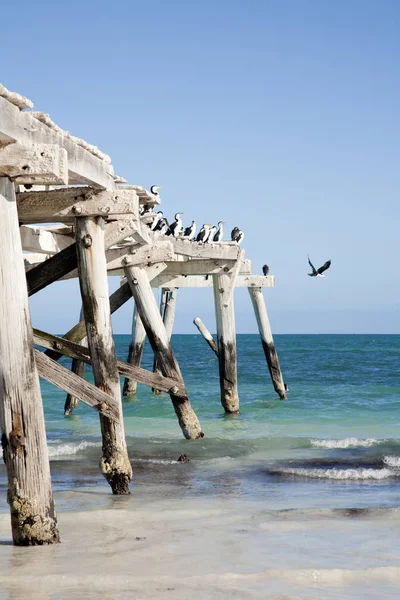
(23,435)
(92,268)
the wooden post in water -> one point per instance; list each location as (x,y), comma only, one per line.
(23,435)
(206,334)
(158,338)
(167,311)
(135,352)
(92,268)
(78,367)
(267,341)
(226,334)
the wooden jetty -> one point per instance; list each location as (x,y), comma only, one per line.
(64,214)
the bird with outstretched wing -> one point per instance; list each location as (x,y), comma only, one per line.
(318,272)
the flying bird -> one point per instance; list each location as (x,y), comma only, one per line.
(318,272)
(265,270)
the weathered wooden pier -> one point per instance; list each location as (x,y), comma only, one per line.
(64,214)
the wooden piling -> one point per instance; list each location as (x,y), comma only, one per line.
(23,435)
(135,352)
(206,334)
(158,338)
(167,312)
(93,281)
(226,334)
(78,367)
(267,341)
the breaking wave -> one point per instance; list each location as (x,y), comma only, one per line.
(346,443)
(70,449)
(340,474)
(392,461)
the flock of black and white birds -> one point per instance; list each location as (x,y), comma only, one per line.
(207,234)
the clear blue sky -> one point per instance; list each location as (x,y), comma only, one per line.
(281,117)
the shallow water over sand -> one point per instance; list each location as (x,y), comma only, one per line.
(289,500)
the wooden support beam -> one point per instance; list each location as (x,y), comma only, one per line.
(201,281)
(64,204)
(226,334)
(36,163)
(83,166)
(222,250)
(65,261)
(78,367)
(201,266)
(139,255)
(206,334)
(158,338)
(92,268)
(66,380)
(267,341)
(23,434)
(167,312)
(135,351)
(117,299)
(67,348)
(38,239)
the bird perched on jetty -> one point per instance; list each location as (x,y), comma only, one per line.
(176,226)
(219,235)
(157,218)
(146,208)
(318,272)
(154,190)
(203,234)
(265,270)
(162,226)
(237,235)
(211,232)
(190,231)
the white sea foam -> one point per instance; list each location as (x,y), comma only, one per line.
(392,461)
(346,443)
(69,449)
(156,461)
(343,474)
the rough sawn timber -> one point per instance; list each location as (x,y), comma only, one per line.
(206,334)
(68,381)
(64,204)
(78,367)
(135,351)
(167,311)
(34,164)
(83,166)
(65,261)
(158,338)
(67,348)
(93,282)
(23,435)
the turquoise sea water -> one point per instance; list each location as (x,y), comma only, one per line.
(335,442)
